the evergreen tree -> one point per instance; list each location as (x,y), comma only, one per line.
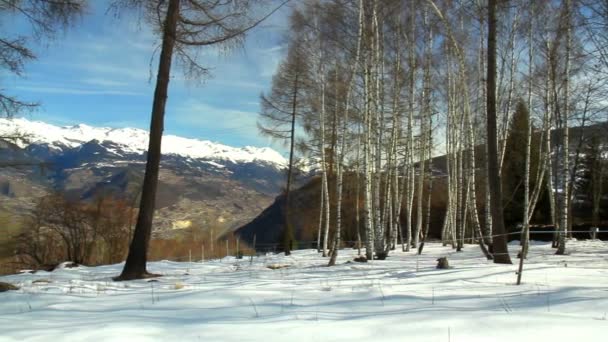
(513,172)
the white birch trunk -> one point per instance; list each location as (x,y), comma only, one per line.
(324,166)
(321,213)
(565,172)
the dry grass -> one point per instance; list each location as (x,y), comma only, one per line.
(182,249)
(277,266)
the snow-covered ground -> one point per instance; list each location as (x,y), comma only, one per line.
(404,298)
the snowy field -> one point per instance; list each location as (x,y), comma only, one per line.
(404,298)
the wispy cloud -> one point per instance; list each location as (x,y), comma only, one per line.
(238,83)
(205,115)
(220,124)
(77,91)
(125,124)
(252,103)
(104,82)
(268,59)
(116,70)
(115,60)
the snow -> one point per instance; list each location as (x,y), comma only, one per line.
(562,298)
(133,140)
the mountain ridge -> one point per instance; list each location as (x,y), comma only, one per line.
(134,140)
(209,185)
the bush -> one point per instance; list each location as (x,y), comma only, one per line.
(59,229)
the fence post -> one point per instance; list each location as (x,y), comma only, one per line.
(594,231)
(189,255)
(212,241)
(202,253)
(227,251)
(237,247)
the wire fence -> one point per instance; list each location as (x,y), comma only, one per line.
(309,289)
(225,248)
(373,277)
(260,249)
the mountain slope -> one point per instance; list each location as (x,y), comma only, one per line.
(202,184)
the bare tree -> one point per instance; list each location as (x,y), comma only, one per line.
(185,26)
(278,119)
(501,253)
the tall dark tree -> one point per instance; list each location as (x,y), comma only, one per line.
(501,252)
(185,25)
(135,266)
(278,117)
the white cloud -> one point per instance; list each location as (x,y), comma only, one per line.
(204,115)
(113,57)
(104,82)
(76,91)
(117,71)
(220,124)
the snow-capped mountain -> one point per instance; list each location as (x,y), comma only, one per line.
(201,183)
(133,141)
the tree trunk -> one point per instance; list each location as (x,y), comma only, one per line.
(487,227)
(565,173)
(525,233)
(410,174)
(378,72)
(472,196)
(288,233)
(336,242)
(135,266)
(324,165)
(501,252)
(507,113)
(338,232)
(358,193)
(321,214)
(427,224)
(367,194)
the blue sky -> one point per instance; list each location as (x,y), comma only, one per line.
(100,73)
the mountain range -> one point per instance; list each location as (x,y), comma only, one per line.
(202,183)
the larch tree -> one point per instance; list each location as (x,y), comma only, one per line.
(501,252)
(279,112)
(184,26)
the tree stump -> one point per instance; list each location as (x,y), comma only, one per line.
(442,263)
(361,259)
(381,255)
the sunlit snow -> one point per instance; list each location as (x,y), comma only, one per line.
(133,140)
(403,298)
